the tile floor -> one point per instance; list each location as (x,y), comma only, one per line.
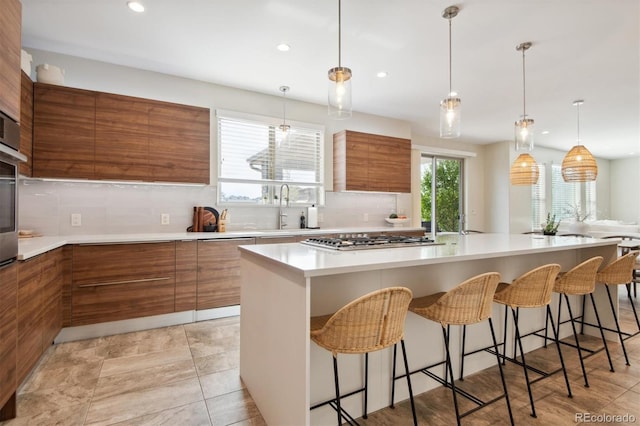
(188,375)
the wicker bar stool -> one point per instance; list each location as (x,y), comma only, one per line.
(530,290)
(579,281)
(370,323)
(468,303)
(618,272)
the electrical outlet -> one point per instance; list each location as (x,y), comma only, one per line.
(76,219)
(366,217)
(165,219)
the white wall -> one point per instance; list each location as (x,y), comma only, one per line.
(625,189)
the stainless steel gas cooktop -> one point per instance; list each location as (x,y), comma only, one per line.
(363,242)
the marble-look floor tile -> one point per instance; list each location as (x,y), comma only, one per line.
(217,384)
(63,358)
(72,415)
(212,340)
(51,399)
(217,362)
(85,374)
(232,408)
(127,406)
(136,380)
(194,414)
(146,341)
(141,361)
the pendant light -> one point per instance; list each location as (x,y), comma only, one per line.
(524,170)
(579,165)
(524,126)
(450,106)
(284,127)
(340,81)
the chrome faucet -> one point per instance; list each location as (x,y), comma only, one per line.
(281,215)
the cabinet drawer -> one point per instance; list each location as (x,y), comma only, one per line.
(8,331)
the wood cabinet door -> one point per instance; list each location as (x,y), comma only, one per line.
(29,315)
(122,137)
(8,331)
(63,132)
(10,45)
(180,143)
(389,164)
(186,275)
(26,123)
(51,296)
(219,272)
(122,281)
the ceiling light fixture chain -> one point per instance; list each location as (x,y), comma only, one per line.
(450,106)
(577,105)
(339,97)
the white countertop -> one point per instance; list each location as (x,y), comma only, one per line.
(313,261)
(30,247)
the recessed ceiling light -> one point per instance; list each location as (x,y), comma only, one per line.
(283,47)
(545,132)
(136,6)
(382,74)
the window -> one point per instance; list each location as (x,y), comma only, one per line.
(568,199)
(257,158)
(441,198)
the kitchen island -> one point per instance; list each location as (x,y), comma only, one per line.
(283,285)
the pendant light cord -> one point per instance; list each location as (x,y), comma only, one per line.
(524,89)
(578,106)
(339,33)
(450,86)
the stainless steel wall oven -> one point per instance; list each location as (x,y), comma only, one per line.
(9,158)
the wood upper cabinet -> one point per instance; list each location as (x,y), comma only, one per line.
(63,132)
(122,138)
(367,162)
(94,135)
(26,123)
(121,281)
(180,140)
(219,272)
(10,45)
(8,332)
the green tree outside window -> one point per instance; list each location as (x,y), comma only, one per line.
(447,194)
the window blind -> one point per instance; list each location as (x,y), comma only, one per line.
(257,158)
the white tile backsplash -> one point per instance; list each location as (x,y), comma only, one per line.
(113,208)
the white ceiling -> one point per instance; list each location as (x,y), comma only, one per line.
(582,49)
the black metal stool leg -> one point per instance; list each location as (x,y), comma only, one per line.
(445,334)
(524,364)
(564,369)
(615,319)
(575,336)
(406,369)
(464,338)
(582,317)
(604,341)
(504,382)
(393,375)
(546,326)
(366,384)
(633,305)
(446,370)
(335,376)
(504,339)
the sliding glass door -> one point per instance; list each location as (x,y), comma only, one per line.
(441,193)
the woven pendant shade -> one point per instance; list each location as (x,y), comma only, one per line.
(524,171)
(579,165)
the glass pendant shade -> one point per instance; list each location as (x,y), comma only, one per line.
(450,118)
(340,93)
(524,171)
(579,165)
(524,134)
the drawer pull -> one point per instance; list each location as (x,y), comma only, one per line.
(142,280)
(212,240)
(119,243)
